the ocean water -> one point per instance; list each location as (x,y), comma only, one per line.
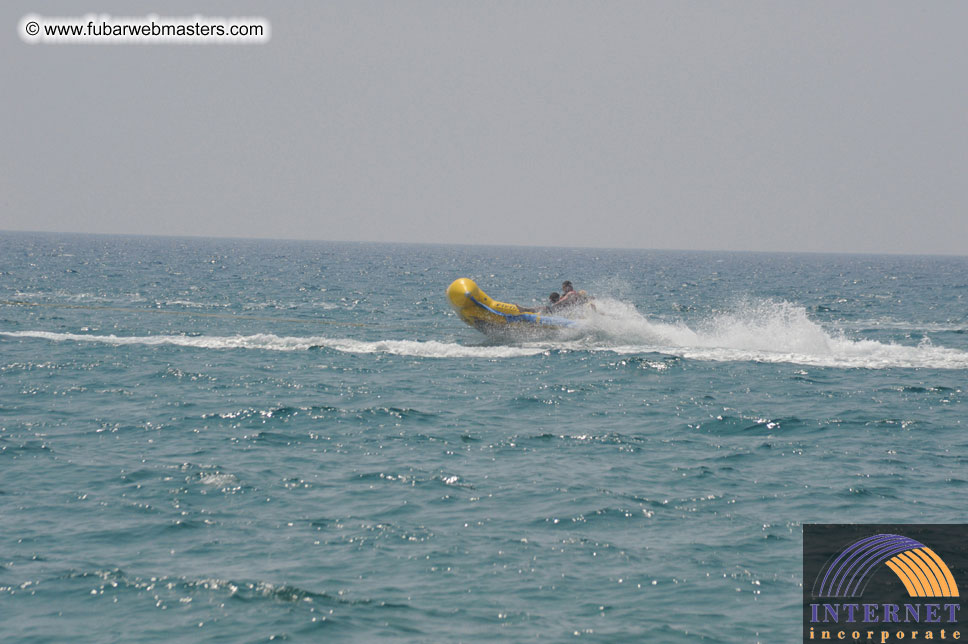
(241,441)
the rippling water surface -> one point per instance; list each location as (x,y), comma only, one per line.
(231,441)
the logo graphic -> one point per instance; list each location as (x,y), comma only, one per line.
(919,568)
(884,583)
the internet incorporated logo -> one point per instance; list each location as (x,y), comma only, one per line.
(909,590)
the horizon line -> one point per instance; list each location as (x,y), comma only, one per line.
(504,245)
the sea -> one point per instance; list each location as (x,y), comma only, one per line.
(224,440)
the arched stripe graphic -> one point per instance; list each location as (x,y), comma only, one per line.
(945,572)
(921,584)
(934,576)
(903,576)
(919,568)
(870,557)
(844,560)
(929,575)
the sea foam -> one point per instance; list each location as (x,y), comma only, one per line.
(761,331)
(270,342)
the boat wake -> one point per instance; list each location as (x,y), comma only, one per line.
(762,331)
(270,342)
(759,331)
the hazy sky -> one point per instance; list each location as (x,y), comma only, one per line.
(794,126)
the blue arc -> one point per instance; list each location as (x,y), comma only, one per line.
(859,560)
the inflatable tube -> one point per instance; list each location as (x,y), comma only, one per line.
(487,315)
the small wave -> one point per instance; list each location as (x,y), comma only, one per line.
(891,324)
(175,590)
(77,298)
(191,304)
(270,342)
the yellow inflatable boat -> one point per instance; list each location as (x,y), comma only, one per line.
(490,316)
